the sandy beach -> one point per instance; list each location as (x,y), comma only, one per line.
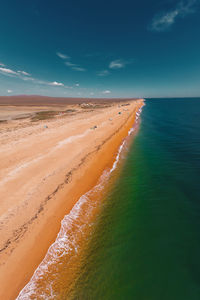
(50,155)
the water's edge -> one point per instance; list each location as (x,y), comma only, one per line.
(67,243)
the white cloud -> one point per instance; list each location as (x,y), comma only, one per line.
(164,21)
(62,56)
(1,64)
(24,73)
(8,71)
(103,73)
(69,64)
(55,83)
(106,92)
(27,77)
(92,94)
(78,69)
(77,84)
(116,64)
(9,91)
(74,66)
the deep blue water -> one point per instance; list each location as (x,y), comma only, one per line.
(146,241)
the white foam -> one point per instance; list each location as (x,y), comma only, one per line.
(117,157)
(131,131)
(65,242)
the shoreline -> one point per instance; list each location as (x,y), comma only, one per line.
(86,174)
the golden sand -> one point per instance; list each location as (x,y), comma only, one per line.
(44,171)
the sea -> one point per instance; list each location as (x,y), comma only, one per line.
(141,238)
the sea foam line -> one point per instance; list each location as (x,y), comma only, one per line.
(66,243)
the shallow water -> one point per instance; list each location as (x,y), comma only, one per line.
(145,242)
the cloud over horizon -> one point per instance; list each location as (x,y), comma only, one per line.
(23,75)
(164,21)
(55,83)
(18,74)
(106,92)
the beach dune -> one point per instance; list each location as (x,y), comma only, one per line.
(47,161)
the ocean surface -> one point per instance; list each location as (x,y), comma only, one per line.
(141,238)
(145,243)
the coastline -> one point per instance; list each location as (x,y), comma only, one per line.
(45,223)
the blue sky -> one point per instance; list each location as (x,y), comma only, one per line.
(85,48)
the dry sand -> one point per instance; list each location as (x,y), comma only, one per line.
(45,166)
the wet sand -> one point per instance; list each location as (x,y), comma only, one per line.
(46,165)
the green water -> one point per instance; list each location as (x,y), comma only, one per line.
(146,241)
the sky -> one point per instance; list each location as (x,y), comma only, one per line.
(93,48)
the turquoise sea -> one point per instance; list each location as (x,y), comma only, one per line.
(145,244)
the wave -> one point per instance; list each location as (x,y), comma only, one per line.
(73,229)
